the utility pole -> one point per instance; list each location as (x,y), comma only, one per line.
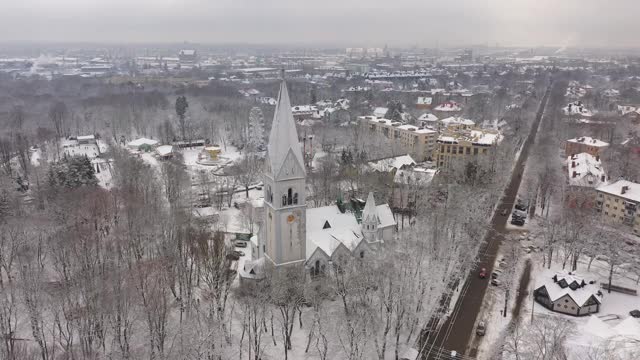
(533,303)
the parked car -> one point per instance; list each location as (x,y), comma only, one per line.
(518,222)
(240,243)
(481,329)
(522,205)
(519,213)
(483,273)
(232,256)
(496,273)
(635,313)
(238,253)
(495,282)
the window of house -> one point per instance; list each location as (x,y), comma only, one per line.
(361,254)
(295,199)
(468,151)
(475,151)
(284,200)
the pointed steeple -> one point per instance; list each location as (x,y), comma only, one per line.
(370,214)
(283,137)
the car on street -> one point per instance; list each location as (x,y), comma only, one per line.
(518,222)
(495,282)
(519,213)
(496,273)
(238,253)
(635,313)
(232,256)
(483,273)
(240,243)
(481,329)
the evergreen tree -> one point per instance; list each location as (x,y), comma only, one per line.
(181,110)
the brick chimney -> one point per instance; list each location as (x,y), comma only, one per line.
(624,189)
(576,174)
(573,164)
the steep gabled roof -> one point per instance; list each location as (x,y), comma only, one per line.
(283,137)
(370,211)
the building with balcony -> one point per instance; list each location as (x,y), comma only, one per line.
(419,142)
(619,202)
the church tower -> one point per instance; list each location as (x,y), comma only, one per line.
(370,220)
(284,189)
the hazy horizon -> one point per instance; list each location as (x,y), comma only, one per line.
(526,23)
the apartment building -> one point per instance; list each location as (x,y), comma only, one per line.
(619,202)
(464,144)
(419,142)
(585,144)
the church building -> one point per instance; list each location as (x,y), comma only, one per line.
(290,233)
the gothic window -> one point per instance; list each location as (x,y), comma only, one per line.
(284,200)
(295,199)
(289,197)
(361,254)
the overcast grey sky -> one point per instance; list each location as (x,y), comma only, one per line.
(326,22)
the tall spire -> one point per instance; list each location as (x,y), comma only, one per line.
(370,213)
(283,137)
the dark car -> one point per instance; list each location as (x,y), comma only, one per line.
(635,313)
(483,273)
(232,256)
(517,221)
(240,244)
(481,329)
(238,253)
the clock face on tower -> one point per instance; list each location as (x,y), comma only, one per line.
(291,218)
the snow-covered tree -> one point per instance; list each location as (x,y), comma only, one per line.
(255,136)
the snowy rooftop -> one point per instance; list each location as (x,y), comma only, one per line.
(585,170)
(418,130)
(142,141)
(457,120)
(380,111)
(343,229)
(485,138)
(391,163)
(622,188)
(164,150)
(449,106)
(420,176)
(580,295)
(428,117)
(577,108)
(589,141)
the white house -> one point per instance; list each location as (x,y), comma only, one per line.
(585,170)
(568,294)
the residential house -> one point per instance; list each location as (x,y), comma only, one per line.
(568,294)
(585,144)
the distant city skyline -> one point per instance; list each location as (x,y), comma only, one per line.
(527,23)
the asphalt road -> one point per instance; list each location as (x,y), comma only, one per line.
(457,331)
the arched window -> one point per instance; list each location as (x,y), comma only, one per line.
(361,254)
(284,200)
(295,199)
(289,197)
